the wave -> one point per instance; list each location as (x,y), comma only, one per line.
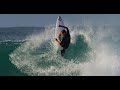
(91,52)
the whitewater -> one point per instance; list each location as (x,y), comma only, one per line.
(93,51)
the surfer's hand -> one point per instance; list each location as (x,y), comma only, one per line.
(61,26)
(55,39)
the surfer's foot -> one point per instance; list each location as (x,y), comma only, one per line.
(62,52)
(62,55)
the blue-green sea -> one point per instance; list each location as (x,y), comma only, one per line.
(31,51)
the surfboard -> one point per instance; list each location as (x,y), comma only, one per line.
(57,31)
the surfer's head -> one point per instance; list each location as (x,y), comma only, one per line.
(63,32)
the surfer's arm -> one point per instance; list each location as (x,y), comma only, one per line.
(57,41)
(65,28)
(60,43)
(59,36)
(62,26)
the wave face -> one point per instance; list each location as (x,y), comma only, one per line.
(93,51)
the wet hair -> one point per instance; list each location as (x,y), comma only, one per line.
(63,31)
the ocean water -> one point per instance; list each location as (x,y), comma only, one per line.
(31,51)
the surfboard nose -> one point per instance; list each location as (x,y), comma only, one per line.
(59,18)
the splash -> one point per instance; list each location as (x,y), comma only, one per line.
(90,53)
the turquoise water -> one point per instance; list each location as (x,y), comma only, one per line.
(6,68)
(30,52)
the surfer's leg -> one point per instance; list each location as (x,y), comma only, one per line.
(62,52)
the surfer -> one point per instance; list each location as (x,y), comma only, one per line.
(64,38)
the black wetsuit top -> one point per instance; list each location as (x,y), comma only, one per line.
(66,40)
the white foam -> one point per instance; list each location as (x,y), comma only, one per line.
(103,59)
